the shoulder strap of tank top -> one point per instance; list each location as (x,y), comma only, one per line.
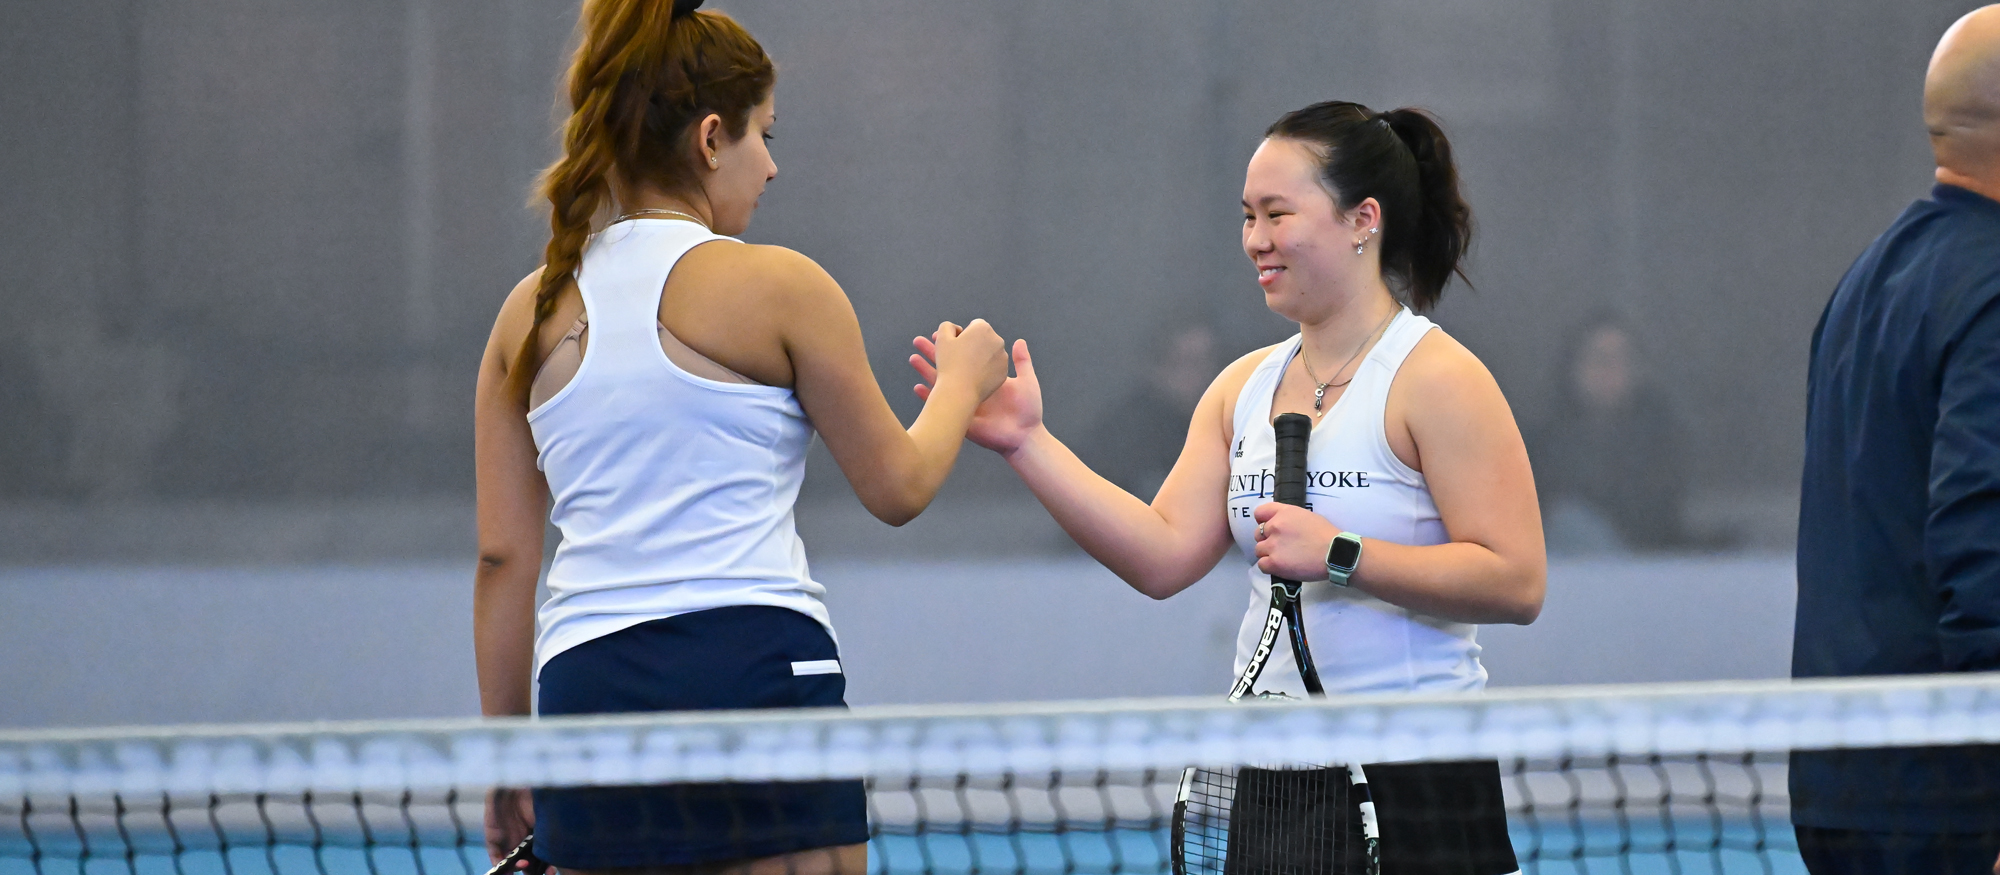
(622,275)
(1253,404)
(1399,339)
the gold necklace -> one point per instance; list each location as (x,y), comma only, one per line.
(650,211)
(1320,386)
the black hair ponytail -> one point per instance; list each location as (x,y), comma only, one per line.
(1444,223)
(1402,159)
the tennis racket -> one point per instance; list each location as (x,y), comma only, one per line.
(1297,819)
(1293,432)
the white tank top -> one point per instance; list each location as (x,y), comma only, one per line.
(673,492)
(1360,643)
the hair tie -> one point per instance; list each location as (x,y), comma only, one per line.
(685,8)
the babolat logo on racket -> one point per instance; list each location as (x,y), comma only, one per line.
(1264,642)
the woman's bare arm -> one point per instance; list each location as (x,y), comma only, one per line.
(895,471)
(512,511)
(1159,548)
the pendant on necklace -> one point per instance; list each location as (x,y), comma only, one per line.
(1319,396)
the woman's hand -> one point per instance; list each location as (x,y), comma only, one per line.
(1009,415)
(1292,541)
(974,355)
(510,816)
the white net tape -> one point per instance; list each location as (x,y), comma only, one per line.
(891,744)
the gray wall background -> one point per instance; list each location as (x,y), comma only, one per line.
(252,251)
(147,645)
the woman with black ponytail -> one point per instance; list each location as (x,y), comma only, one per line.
(1422,520)
(652,391)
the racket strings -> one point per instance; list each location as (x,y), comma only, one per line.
(1270,821)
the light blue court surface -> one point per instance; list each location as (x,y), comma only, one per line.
(1029,853)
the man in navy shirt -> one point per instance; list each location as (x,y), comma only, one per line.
(1899,518)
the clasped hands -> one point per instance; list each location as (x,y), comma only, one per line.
(1009,415)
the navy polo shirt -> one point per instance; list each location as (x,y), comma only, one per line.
(1899,512)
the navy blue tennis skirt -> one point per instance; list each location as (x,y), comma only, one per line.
(751,656)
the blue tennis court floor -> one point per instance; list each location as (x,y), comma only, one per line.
(1029,853)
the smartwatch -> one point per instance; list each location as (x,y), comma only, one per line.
(1341,557)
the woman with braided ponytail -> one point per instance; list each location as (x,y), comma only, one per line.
(652,390)
(1422,519)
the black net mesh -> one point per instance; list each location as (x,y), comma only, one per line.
(1003,792)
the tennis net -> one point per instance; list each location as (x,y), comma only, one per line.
(1682,777)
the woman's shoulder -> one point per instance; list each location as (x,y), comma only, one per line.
(757,270)
(754,262)
(522,296)
(1239,371)
(1228,385)
(517,312)
(1441,375)
(1440,360)
(1233,378)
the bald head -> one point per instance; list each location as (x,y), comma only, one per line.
(1962,101)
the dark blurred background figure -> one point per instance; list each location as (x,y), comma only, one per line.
(1610,457)
(1137,437)
(34,456)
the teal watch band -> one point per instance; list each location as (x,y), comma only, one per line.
(1342,556)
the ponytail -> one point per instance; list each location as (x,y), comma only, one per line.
(576,187)
(1402,159)
(1444,221)
(644,72)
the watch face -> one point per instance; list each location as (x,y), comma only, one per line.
(1344,553)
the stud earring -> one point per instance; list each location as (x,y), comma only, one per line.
(711,161)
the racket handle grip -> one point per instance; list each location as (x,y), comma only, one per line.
(1292,432)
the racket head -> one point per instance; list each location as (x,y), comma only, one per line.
(1199,839)
(1237,821)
